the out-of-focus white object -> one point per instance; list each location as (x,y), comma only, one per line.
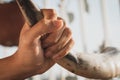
(5,1)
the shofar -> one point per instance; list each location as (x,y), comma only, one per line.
(97,66)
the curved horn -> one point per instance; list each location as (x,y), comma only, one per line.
(99,66)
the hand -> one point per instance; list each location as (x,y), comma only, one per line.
(29,57)
(30,52)
(58,43)
(30,42)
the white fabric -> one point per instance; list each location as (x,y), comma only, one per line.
(5,1)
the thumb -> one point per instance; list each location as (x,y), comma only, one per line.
(42,28)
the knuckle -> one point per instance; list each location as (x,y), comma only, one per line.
(59,18)
(52,42)
(48,42)
(68,32)
(72,41)
(65,52)
(71,44)
(59,47)
(52,11)
(49,13)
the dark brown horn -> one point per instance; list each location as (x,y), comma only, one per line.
(30,12)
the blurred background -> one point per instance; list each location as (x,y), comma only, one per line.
(95,24)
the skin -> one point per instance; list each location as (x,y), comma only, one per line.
(36,54)
(106,66)
(42,53)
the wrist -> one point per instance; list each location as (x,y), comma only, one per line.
(11,68)
(25,69)
(27,61)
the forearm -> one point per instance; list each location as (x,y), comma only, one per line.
(99,66)
(12,69)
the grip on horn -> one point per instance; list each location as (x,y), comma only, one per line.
(29,11)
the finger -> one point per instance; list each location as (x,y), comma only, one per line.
(49,14)
(59,18)
(53,38)
(66,36)
(64,51)
(41,28)
(25,28)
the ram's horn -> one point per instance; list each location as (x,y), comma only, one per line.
(99,66)
(30,12)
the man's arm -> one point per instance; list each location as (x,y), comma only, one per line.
(87,65)
(12,69)
(30,58)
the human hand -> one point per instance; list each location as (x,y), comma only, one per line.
(58,43)
(30,52)
(29,57)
